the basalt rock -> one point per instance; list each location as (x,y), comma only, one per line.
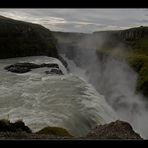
(52,65)
(18,69)
(26,67)
(54,71)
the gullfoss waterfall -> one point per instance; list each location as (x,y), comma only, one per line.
(42,99)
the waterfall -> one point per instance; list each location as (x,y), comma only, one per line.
(51,100)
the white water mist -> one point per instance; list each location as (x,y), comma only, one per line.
(113,78)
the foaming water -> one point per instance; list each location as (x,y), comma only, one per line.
(51,100)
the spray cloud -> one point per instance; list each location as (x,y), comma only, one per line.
(111,77)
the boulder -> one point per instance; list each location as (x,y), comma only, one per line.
(17,69)
(113,130)
(56,71)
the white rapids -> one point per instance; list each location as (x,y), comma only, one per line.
(51,100)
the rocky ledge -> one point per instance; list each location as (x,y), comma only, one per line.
(113,130)
(26,67)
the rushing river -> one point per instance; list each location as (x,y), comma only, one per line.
(42,99)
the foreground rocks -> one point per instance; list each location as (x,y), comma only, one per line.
(26,67)
(18,130)
(18,126)
(113,130)
(21,39)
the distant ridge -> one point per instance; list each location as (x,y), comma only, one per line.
(19,39)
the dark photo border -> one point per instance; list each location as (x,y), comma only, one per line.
(73,4)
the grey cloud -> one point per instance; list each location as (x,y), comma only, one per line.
(80,20)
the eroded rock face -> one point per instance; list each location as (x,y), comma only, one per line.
(26,67)
(113,130)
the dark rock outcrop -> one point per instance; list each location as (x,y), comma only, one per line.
(18,126)
(52,65)
(26,67)
(113,130)
(54,71)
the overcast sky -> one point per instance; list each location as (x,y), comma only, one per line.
(81,20)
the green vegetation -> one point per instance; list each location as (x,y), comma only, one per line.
(19,39)
(57,131)
(139,61)
(138,58)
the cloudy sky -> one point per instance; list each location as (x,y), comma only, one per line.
(81,20)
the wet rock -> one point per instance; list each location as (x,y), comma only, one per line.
(47,72)
(63,61)
(21,67)
(113,130)
(26,67)
(55,71)
(17,69)
(52,65)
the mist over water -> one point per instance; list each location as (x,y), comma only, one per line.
(111,77)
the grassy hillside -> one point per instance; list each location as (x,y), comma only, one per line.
(19,39)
